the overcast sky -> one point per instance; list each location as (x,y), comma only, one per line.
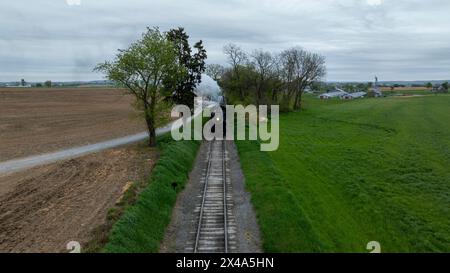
(394,39)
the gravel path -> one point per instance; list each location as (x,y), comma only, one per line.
(184,219)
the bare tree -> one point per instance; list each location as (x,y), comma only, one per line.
(313,68)
(287,68)
(215,71)
(236,58)
(263,63)
(277,77)
(300,69)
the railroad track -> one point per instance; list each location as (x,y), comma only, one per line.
(214,221)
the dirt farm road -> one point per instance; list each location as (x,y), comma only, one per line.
(38,160)
(33,161)
(16,105)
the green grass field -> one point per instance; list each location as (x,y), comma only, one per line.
(348,173)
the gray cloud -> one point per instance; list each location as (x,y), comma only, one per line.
(395,39)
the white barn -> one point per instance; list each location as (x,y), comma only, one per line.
(355,95)
(333,94)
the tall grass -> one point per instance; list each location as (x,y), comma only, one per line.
(142,226)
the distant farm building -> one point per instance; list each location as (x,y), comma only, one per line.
(18,86)
(308,90)
(438,88)
(335,93)
(376,89)
(355,95)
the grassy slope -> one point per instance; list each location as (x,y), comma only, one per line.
(352,172)
(142,227)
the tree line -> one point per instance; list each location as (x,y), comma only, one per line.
(265,78)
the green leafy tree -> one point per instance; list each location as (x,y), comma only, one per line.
(445,86)
(184,86)
(317,86)
(48,84)
(147,69)
(361,87)
(349,87)
(429,85)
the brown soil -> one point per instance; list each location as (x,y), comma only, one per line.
(406,89)
(410,96)
(44,208)
(39,120)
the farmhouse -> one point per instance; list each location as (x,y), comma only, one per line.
(438,88)
(308,90)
